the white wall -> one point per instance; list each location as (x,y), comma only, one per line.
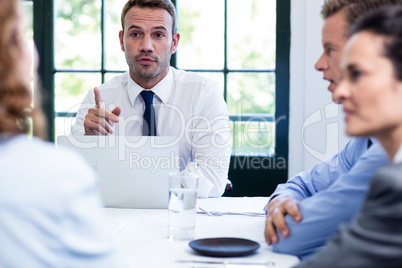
(316,127)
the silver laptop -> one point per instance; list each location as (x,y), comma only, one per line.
(132,171)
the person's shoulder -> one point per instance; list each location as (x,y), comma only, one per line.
(52,156)
(114,83)
(31,144)
(51,151)
(351,152)
(389,176)
(186,77)
(359,141)
(357,144)
(42,147)
(45,161)
(366,161)
(385,193)
(376,152)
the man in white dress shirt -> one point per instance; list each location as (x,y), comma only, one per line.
(186,105)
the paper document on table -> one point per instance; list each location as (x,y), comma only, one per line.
(233,205)
(200,210)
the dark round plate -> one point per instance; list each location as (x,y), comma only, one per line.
(224,246)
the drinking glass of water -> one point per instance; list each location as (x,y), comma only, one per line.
(182,205)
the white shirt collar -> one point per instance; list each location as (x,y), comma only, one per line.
(398,156)
(162,89)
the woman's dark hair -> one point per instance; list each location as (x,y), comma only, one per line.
(386,22)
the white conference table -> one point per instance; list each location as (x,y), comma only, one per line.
(141,234)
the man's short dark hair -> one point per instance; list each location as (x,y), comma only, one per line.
(154,4)
(352,9)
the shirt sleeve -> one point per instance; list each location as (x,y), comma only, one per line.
(374,237)
(89,102)
(326,210)
(210,137)
(322,175)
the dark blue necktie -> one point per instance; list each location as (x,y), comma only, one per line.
(148,126)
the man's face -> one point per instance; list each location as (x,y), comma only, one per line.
(148,44)
(334,38)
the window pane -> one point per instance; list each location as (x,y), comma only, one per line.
(71,88)
(201,28)
(77,34)
(251,34)
(114,56)
(253,137)
(251,93)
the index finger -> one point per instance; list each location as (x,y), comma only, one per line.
(99,103)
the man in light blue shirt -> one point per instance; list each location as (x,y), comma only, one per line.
(307,210)
(329,196)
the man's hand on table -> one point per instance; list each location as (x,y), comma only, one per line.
(98,121)
(277,209)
